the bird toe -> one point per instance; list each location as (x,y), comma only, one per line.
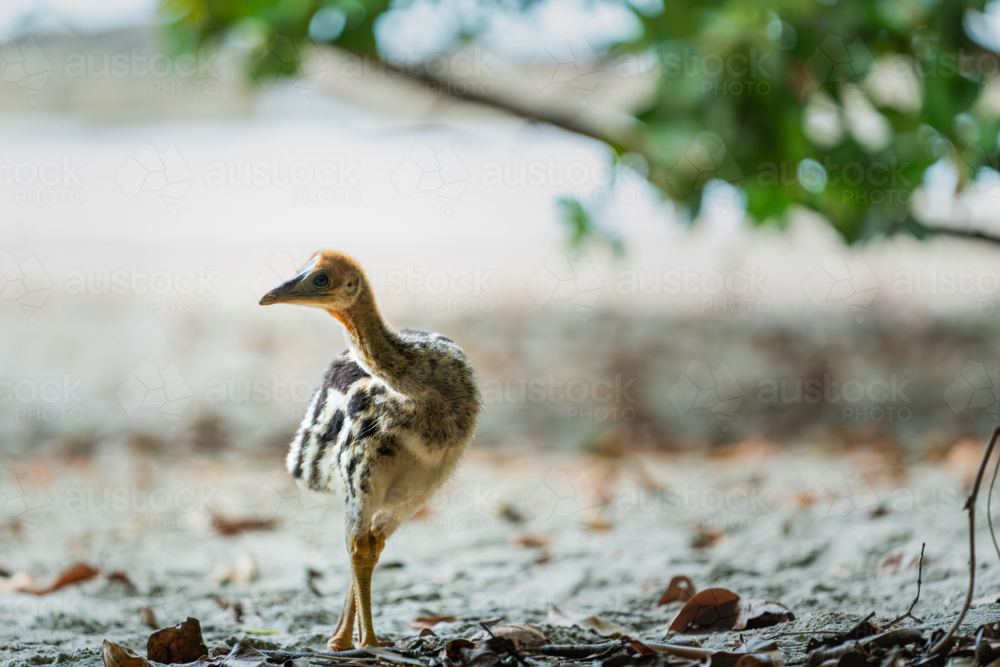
(339,644)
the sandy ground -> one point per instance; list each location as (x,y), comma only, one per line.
(831,537)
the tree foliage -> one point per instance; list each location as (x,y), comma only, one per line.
(837,106)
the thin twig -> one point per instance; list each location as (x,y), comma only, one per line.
(354,654)
(989,503)
(970,505)
(920,576)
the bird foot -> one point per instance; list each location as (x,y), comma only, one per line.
(338,643)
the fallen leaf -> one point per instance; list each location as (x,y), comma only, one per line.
(179,644)
(711,608)
(532,540)
(243,570)
(429,622)
(119,656)
(228,526)
(597,523)
(427,632)
(680,588)
(18,582)
(148,618)
(722,609)
(525,637)
(74,574)
(707,537)
(761,613)
(453,649)
(122,578)
(568,619)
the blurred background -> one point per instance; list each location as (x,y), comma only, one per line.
(731,244)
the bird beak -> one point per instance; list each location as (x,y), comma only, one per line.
(286,291)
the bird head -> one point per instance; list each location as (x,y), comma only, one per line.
(330,280)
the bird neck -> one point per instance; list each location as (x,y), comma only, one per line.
(376,345)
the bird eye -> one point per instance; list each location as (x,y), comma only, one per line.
(322,280)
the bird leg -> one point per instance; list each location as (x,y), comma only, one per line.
(365,551)
(343,634)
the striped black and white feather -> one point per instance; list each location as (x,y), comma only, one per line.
(385,452)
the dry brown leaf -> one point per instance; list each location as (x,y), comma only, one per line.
(762,613)
(228,526)
(597,523)
(525,637)
(429,622)
(722,609)
(568,619)
(680,588)
(123,579)
(711,608)
(707,537)
(119,656)
(532,540)
(179,644)
(74,574)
